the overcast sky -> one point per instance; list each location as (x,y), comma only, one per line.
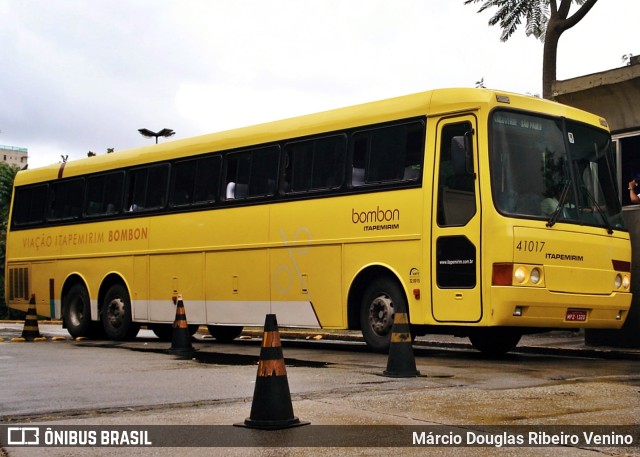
(81,75)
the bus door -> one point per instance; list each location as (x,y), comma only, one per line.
(455,262)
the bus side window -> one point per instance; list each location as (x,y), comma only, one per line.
(65,199)
(29,205)
(147,188)
(158,182)
(104,194)
(238,171)
(388,154)
(112,201)
(251,173)
(207,179)
(195,181)
(328,164)
(414,152)
(315,164)
(264,172)
(136,188)
(359,153)
(183,176)
(456,186)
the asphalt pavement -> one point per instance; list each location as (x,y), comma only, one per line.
(450,397)
(556,342)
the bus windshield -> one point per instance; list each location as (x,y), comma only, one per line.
(553,169)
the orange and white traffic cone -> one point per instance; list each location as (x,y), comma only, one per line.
(181,338)
(271,408)
(31,332)
(401,362)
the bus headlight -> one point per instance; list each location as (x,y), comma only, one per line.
(622,281)
(535,276)
(618,281)
(509,274)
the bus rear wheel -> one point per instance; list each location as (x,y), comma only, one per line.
(116,314)
(76,311)
(495,342)
(379,304)
(224,333)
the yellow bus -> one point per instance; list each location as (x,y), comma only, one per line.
(486,214)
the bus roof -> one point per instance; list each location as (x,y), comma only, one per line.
(429,103)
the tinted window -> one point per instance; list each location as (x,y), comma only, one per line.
(385,154)
(456,185)
(251,173)
(147,188)
(104,194)
(381,154)
(29,205)
(65,199)
(195,181)
(315,164)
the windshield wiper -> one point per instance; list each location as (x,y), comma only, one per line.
(605,219)
(556,212)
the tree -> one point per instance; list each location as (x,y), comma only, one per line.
(544,20)
(7,176)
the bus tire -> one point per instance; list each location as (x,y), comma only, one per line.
(165,331)
(116,315)
(76,311)
(494,342)
(224,333)
(380,300)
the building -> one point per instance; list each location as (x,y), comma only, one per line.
(14,155)
(615,95)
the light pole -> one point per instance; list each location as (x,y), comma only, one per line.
(149,134)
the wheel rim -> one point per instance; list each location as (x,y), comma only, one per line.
(381,313)
(115,312)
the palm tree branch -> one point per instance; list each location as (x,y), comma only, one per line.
(585,7)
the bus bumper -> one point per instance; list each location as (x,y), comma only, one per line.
(520,307)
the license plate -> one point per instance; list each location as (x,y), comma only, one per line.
(574,315)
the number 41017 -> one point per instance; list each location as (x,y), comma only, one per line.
(530,246)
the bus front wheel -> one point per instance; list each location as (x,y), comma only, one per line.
(116,314)
(76,311)
(379,304)
(496,341)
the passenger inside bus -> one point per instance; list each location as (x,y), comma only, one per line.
(236,190)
